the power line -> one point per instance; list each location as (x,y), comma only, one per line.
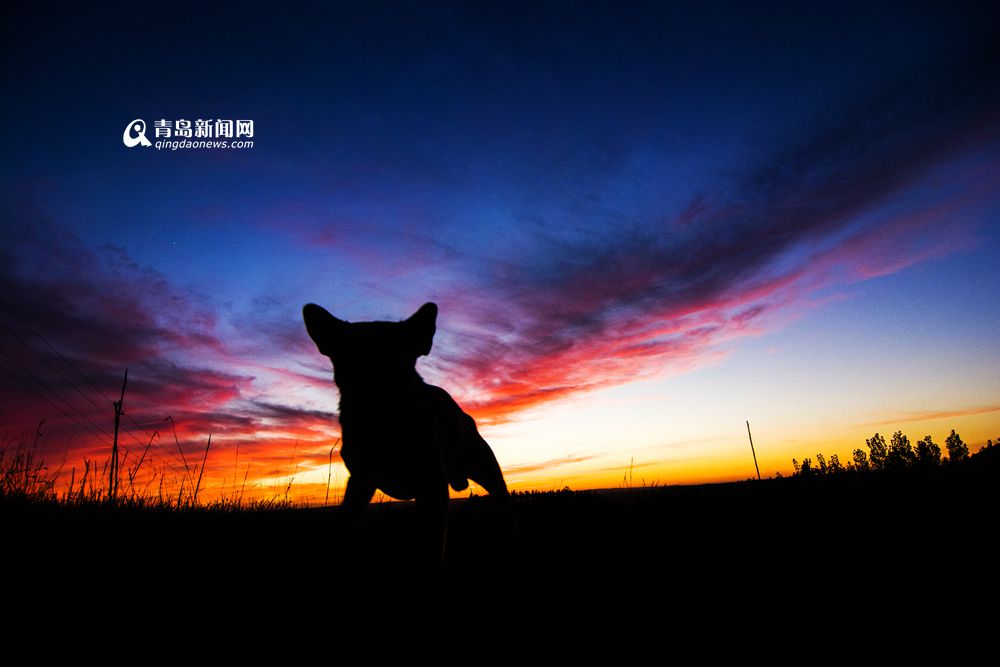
(75,368)
(45,398)
(45,387)
(58,395)
(51,347)
(56,370)
(89,428)
(86,379)
(50,365)
(67,362)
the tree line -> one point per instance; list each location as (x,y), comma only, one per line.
(896,454)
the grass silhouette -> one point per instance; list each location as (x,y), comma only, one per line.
(794,525)
(872,527)
(25,478)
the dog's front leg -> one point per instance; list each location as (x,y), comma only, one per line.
(357,495)
(432,506)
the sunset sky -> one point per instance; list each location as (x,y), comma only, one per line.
(642,227)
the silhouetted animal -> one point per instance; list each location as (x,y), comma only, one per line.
(400,434)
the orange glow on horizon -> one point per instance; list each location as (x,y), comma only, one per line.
(302,468)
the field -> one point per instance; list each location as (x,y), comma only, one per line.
(859,531)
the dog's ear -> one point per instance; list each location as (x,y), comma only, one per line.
(422,327)
(323,328)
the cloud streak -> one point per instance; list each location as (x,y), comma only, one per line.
(928,415)
(662,293)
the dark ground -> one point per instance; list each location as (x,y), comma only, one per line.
(832,531)
(882,566)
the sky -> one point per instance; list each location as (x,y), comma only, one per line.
(643,227)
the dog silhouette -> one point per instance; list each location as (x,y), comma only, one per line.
(400,435)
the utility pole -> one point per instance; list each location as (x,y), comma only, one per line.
(113,473)
(753,452)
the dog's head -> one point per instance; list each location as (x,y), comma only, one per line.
(371,352)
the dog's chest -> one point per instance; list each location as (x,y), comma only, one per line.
(391,436)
